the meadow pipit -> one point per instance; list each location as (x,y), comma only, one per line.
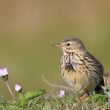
(80,69)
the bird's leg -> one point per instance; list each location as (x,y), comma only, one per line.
(84,96)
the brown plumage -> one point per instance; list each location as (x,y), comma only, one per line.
(80,69)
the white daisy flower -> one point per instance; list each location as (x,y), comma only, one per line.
(62,93)
(3,72)
(18,88)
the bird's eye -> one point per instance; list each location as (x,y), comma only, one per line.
(68,44)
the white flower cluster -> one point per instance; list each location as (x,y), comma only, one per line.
(3,72)
(17,88)
(62,93)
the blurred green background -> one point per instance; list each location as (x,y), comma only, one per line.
(28,28)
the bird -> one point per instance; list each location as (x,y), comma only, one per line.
(79,68)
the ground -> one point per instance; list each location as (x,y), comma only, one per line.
(40,100)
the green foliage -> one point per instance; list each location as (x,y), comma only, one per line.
(39,100)
(98,98)
(25,98)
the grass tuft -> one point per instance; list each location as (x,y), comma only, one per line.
(40,100)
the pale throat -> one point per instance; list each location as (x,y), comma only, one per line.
(72,57)
(69,52)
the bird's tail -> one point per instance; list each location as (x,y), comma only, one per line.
(99,90)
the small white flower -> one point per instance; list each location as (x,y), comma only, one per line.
(18,88)
(62,93)
(3,72)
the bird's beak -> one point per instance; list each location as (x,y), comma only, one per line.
(57,45)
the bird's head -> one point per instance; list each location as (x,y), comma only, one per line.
(71,44)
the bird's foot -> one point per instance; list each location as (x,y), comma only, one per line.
(84,96)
